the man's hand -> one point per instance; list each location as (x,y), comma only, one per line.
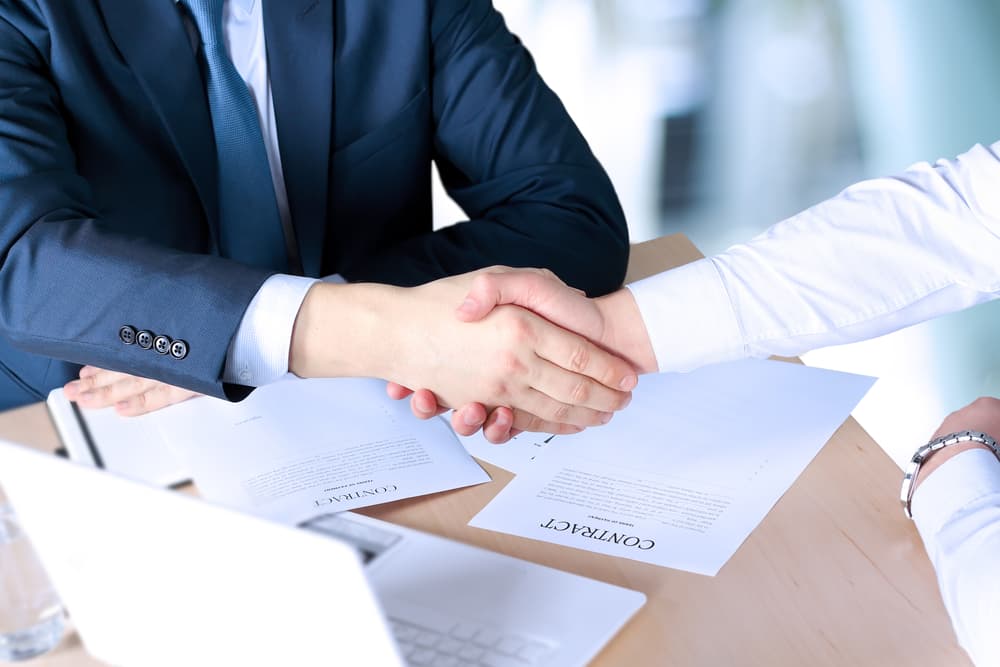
(511,357)
(612,322)
(131,395)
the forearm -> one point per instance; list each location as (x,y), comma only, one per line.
(511,157)
(586,246)
(68,286)
(77,267)
(957,510)
(345,331)
(882,255)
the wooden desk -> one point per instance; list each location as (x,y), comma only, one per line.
(834,575)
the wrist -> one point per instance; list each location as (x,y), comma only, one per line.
(940,457)
(334,329)
(624,332)
(958,441)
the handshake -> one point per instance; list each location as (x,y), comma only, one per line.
(510,349)
(562,361)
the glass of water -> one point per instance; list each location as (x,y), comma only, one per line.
(31,616)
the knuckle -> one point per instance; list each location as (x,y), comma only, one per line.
(560,413)
(511,364)
(550,275)
(581,392)
(482,283)
(499,389)
(518,328)
(534,423)
(580,358)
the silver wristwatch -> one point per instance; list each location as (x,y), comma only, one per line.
(906,493)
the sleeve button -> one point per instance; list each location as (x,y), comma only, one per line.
(127,334)
(178,349)
(161,344)
(144,339)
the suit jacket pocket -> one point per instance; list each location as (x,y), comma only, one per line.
(413,117)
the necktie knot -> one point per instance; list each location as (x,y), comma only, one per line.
(207,15)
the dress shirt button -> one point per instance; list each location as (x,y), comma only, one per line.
(144,339)
(127,334)
(161,344)
(245,376)
(178,349)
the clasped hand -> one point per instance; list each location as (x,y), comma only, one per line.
(513,362)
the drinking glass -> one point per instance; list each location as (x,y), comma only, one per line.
(31,615)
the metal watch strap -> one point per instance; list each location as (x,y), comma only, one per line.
(906,492)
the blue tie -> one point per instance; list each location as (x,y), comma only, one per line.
(250,226)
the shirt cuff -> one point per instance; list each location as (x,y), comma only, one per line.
(688,316)
(258,353)
(957,483)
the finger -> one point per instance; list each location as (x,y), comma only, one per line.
(397,391)
(159,396)
(128,386)
(92,378)
(547,411)
(496,428)
(525,421)
(424,404)
(581,357)
(468,419)
(528,288)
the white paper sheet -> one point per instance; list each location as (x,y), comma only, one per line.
(296,449)
(683,475)
(514,455)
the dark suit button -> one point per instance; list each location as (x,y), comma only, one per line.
(127,334)
(178,349)
(161,344)
(144,339)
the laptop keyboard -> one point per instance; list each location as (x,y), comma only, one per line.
(429,637)
(436,644)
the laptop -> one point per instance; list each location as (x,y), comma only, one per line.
(154,577)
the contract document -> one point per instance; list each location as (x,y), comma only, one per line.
(297,449)
(683,475)
(514,455)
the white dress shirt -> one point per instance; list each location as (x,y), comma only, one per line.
(258,353)
(883,254)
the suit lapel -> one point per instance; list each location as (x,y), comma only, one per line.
(300,46)
(151,36)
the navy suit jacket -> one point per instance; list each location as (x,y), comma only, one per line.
(108,200)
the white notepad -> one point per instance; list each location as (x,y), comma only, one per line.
(131,446)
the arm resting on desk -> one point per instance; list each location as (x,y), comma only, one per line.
(957,510)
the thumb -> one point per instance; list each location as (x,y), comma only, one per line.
(525,287)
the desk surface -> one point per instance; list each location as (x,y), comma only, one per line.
(834,575)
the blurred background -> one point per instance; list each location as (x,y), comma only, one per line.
(718,118)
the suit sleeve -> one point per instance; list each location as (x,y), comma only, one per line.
(67,283)
(511,157)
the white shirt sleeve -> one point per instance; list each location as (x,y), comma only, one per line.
(258,353)
(883,254)
(957,511)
